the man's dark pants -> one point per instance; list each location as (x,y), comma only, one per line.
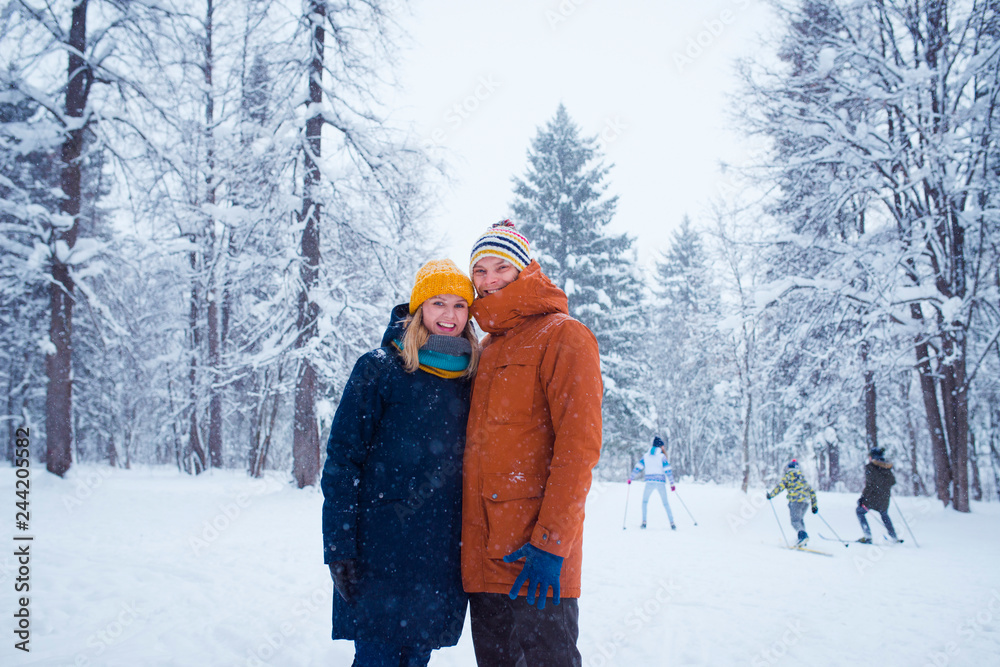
(512,633)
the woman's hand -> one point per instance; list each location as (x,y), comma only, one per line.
(345,578)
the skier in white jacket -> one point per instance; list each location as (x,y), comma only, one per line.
(658,473)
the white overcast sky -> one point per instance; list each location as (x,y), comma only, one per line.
(650,76)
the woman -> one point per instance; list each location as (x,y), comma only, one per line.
(392,483)
(658,472)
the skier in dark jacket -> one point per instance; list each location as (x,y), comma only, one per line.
(392,482)
(878,482)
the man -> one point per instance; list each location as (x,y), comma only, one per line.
(878,483)
(800,497)
(534,435)
(658,472)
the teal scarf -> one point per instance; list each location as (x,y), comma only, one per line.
(445,356)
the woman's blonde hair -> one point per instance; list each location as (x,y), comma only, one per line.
(416,335)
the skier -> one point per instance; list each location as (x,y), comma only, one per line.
(878,483)
(392,481)
(658,472)
(534,435)
(800,496)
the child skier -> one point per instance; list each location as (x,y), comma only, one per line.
(878,483)
(658,471)
(800,495)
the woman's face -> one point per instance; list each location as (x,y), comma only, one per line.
(445,314)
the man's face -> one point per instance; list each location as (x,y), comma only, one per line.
(492,274)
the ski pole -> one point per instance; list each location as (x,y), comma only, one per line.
(627,489)
(685,507)
(905,523)
(779,522)
(846,544)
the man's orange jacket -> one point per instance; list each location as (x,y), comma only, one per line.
(534,434)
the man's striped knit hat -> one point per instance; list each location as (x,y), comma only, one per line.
(504,241)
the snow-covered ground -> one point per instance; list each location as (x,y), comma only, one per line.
(150,567)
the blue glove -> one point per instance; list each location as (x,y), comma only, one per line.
(541,570)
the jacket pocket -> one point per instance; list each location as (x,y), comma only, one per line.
(513,501)
(387,504)
(512,394)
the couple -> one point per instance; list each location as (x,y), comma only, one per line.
(458,474)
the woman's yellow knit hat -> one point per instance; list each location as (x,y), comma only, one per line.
(440,276)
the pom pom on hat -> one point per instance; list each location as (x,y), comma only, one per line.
(440,276)
(504,241)
(793,464)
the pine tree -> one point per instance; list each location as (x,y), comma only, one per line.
(563,208)
(684,354)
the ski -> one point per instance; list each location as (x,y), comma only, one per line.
(886,541)
(833,539)
(812,551)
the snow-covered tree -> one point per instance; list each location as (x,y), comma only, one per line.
(28,178)
(684,352)
(61,60)
(191,319)
(563,208)
(882,118)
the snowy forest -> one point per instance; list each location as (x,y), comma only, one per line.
(207,213)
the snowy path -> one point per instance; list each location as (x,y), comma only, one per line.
(149,567)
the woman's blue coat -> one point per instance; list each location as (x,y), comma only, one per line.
(392,487)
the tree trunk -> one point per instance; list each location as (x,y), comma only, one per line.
(59,361)
(977,486)
(871,421)
(214,336)
(746,442)
(833,454)
(871,414)
(195,455)
(956,412)
(911,433)
(112,453)
(305,442)
(264,428)
(951,279)
(928,390)
(994,454)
